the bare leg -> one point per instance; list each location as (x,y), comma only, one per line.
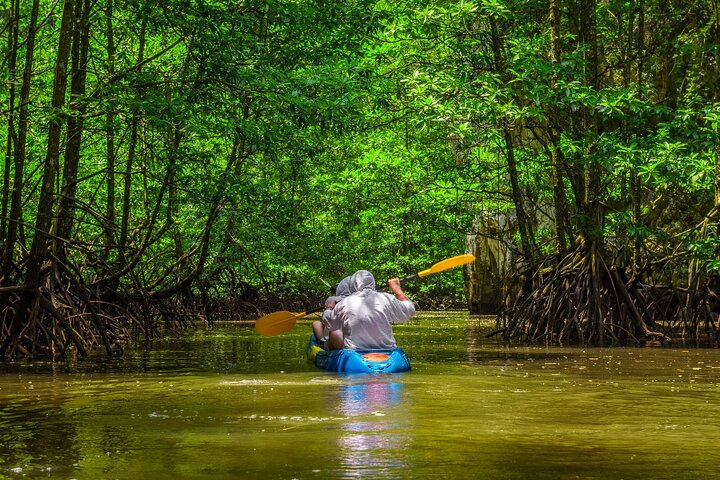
(335,340)
(317,327)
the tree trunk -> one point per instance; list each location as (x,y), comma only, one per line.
(132,147)
(13,21)
(20,147)
(635,180)
(716,99)
(174,140)
(561,211)
(38,251)
(484,277)
(591,208)
(526,241)
(109,237)
(65,210)
(52,157)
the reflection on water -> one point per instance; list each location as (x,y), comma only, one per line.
(225,403)
(376,432)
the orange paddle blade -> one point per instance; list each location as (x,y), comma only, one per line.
(447,264)
(277,323)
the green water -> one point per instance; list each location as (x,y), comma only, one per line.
(226,403)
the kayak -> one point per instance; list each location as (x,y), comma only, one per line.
(357,361)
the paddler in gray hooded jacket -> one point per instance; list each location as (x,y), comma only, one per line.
(363,319)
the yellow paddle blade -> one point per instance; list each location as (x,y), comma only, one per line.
(447,264)
(277,323)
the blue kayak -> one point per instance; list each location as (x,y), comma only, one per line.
(357,361)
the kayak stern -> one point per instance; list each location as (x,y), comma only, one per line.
(357,361)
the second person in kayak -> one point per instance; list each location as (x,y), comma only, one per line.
(363,320)
(321,328)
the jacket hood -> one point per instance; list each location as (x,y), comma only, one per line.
(343,288)
(361,280)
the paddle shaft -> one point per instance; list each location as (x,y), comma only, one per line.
(279,322)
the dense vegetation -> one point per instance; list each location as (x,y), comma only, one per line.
(167,161)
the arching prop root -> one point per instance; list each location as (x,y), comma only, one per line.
(581,301)
(68,318)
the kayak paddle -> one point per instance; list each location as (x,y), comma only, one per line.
(280,322)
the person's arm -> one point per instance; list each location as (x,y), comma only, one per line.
(394,284)
(402,309)
(328,312)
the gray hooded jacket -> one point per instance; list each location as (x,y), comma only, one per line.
(366,315)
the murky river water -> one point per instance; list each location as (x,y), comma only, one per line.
(226,403)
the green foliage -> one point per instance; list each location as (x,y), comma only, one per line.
(337,136)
